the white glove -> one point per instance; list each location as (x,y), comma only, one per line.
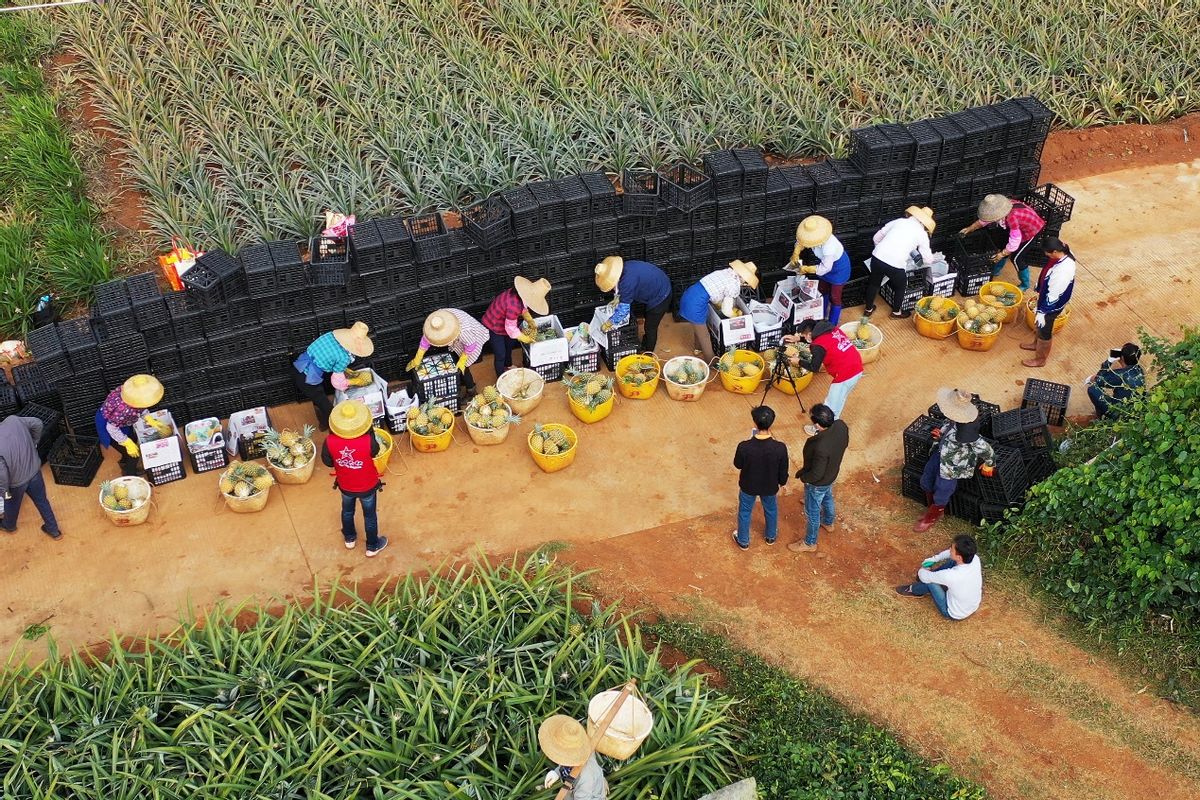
(552,778)
(1039,319)
(727,307)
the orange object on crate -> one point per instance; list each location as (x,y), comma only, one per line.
(177,261)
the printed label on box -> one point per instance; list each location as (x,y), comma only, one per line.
(730,331)
(551,351)
(161,453)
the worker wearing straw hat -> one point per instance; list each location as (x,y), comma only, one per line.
(124,406)
(959,449)
(503,317)
(895,243)
(457,331)
(635,282)
(719,288)
(1023,225)
(350,449)
(565,742)
(832,269)
(330,354)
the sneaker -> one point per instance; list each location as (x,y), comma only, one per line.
(828,527)
(801,547)
(901,314)
(7,529)
(350,544)
(868,311)
(382,544)
(770,541)
(810,430)
(51,534)
(739,544)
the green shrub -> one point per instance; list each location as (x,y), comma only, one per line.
(802,744)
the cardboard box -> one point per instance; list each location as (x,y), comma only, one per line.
(158,452)
(372,395)
(797,299)
(765,318)
(551,351)
(246,423)
(730,332)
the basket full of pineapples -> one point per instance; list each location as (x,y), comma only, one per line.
(126,500)
(589,394)
(553,446)
(794,378)
(489,418)
(686,378)
(430,427)
(245,486)
(741,370)
(291,455)
(638,375)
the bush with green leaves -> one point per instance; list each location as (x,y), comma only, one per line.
(434,689)
(49,235)
(802,744)
(1116,532)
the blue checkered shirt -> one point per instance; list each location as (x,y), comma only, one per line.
(322,356)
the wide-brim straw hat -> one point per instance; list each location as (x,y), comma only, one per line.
(746,271)
(350,418)
(141,391)
(813,231)
(533,294)
(608,273)
(564,741)
(441,328)
(956,405)
(994,207)
(923,214)
(356,339)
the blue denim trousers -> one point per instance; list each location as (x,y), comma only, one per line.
(818,509)
(936,592)
(370,518)
(770,511)
(932,481)
(36,489)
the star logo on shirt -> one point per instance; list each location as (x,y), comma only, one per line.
(346,459)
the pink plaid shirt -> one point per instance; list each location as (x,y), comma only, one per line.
(1022,223)
(502,315)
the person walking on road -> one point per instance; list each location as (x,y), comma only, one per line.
(953,579)
(350,449)
(21,473)
(822,459)
(763,462)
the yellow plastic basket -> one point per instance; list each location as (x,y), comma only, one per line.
(935,330)
(986,298)
(976,341)
(744,385)
(642,391)
(385,452)
(590,415)
(1031,316)
(560,460)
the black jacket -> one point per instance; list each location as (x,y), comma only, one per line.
(823,455)
(764,465)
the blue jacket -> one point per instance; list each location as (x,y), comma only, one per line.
(641,282)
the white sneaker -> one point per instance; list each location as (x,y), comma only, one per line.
(350,545)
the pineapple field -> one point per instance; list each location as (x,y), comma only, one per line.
(243,120)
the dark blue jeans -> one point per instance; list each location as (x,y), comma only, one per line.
(770,511)
(502,351)
(933,482)
(936,592)
(370,519)
(818,509)
(36,489)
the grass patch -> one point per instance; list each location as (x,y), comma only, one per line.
(802,743)
(49,239)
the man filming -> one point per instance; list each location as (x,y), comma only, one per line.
(1119,377)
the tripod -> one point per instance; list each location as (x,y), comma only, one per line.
(782,371)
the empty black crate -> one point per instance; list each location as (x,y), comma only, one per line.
(754,170)
(994,512)
(549,202)
(74,461)
(918,441)
(32,387)
(1052,203)
(51,423)
(725,170)
(204,286)
(488,222)
(640,190)
(910,484)
(685,188)
(927,144)
(881,148)
(854,293)
(964,504)
(1051,398)
(1025,428)
(827,183)
(366,248)
(430,240)
(524,210)
(1009,479)
(603,194)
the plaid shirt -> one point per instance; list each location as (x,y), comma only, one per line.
(502,315)
(1022,224)
(959,459)
(323,355)
(471,337)
(722,285)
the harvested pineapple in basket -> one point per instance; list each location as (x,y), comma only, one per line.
(688,372)
(640,373)
(116,496)
(244,479)
(590,389)
(981,318)
(288,449)
(937,309)
(737,369)
(549,441)
(429,419)
(488,410)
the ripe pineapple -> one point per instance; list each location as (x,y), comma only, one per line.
(263,482)
(537,439)
(107,497)
(121,491)
(559,438)
(287,438)
(549,448)
(491,394)
(227,483)
(447,418)
(593,386)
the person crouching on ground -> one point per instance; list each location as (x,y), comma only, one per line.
(350,449)
(953,579)
(830,348)
(565,742)
(958,450)
(822,460)
(763,462)
(1119,377)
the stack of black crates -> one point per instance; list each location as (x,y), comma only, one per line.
(225,343)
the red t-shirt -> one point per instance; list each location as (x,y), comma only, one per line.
(842,360)
(352,461)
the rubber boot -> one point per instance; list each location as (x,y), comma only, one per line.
(835,314)
(932,515)
(1023,276)
(1042,353)
(1030,346)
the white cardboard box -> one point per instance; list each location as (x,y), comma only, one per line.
(246,423)
(599,317)
(372,394)
(551,351)
(797,299)
(765,318)
(730,331)
(158,452)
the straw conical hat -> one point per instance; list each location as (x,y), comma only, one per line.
(994,207)
(813,231)
(746,271)
(923,214)
(956,405)
(441,328)
(564,741)
(350,418)
(533,294)
(356,339)
(608,273)
(141,391)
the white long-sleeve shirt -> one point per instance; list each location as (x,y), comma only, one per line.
(1060,278)
(828,252)
(900,237)
(963,582)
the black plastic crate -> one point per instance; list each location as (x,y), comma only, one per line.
(854,292)
(881,148)
(995,512)
(975,133)
(576,199)
(488,222)
(851,180)
(430,240)
(329,250)
(51,425)
(918,441)
(397,241)
(127,354)
(33,387)
(640,189)
(968,282)
(204,286)
(1051,398)
(550,203)
(754,170)
(523,208)
(725,169)
(44,343)
(193,354)
(1052,203)
(615,352)
(1039,465)
(329,274)
(8,399)
(366,248)
(605,202)
(1025,428)
(218,404)
(827,183)
(210,459)
(910,484)
(165,358)
(167,473)
(685,188)
(197,382)
(927,144)
(111,299)
(913,291)
(75,460)
(964,504)
(585,362)
(1009,479)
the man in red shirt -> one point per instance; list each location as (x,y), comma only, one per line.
(832,349)
(503,317)
(350,449)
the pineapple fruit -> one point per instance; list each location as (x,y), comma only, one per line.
(488,411)
(245,479)
(288,449)
(429,419)
(549,441)
(688,371)
(640,373)
(589,389)
(117,497)
(738,369)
